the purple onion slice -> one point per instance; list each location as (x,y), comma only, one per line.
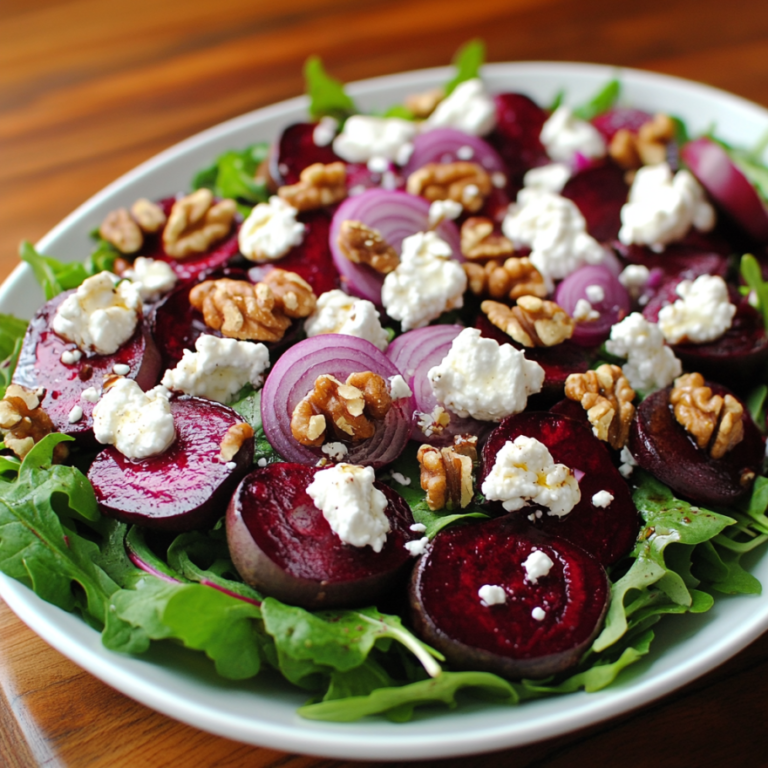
(293,376)
(449,145)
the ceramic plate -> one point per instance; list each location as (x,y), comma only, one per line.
(262,711)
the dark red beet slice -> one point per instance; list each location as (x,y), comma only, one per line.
(599,193)
(40,366)
(282,545)
(505,638)
(607,533)
(620,117)
(186,487)
(295,150)
(662,446)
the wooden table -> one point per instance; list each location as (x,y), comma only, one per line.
(90,88)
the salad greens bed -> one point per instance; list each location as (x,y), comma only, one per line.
(352,663)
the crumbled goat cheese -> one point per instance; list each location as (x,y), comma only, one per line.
(549,178)
(434,422)
(75,414)
(71,356)
(139,424)
(469,108)
(440,210)
(378,165)
(101,315)
(595,293)
(418,527)
(219,368)
(270,231)
(628,463)
(426,282)
(555,231)
(398,477)
(524,471)
(538,613)
(325,131)
(90,395)
(662,207)
(583,312)
(398,389)
(465,153)
(537,565)
(338,312)
(651,364)
(353,507)
(121,369)
(702,313)
(564,136)
(602,499)
(491,594)
(483,379)
(262,462)
(634,277)
(335,451)
(152,277)
(364,138)
(417,547)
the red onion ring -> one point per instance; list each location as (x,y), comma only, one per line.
(293,376)
(396,215)
(449,145)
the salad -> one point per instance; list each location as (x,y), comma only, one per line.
(144,586)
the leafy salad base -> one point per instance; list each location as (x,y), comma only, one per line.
(184,685)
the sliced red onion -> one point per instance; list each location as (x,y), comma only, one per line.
(449,145)
(396,215)
(293,376)
(727,185)
(613,306)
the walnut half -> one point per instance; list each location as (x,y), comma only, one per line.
(196,223)
(319,185)
(363,245)
(533,322)
(446,473)
(464,182)
(23,422)
(510,280)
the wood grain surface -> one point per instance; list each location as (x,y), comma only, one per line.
(91,88)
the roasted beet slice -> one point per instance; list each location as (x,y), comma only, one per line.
(542,628)
(662,446)
(599,193)
(620,117)
(188,486)
(40,365)
(607,533)
(295,150)
(282,545)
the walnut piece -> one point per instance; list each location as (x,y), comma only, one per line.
(715,422)
(233,441)
(533,322)
(606,396)
(464,182)
(294,296)
(648,147)
(351,409)
(23,422)
(196,223)
(479,241)
(363,245)
(514,278)
(119,229)
(318,185)
(422,105)
(148,215)
(446,473)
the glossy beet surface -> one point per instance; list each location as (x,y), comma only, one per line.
(505,638)
(294,151)
(40,366)
(283,546)
(188,486)
(662,446)
(607,533)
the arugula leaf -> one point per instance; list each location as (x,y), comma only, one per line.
(327,97)
(249,407)
(467,60)
(12,331)
(601,102)
(753,277)
(233,175)
(756,405)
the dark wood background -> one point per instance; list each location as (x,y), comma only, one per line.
(90,88)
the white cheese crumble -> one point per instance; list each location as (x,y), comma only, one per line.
(335,451)
(90,395)
(262,462)
(434,422)
(75,414)
(564,135)
(634,277)
(426,282)
(595,293)
(702,313)
(365,137)
(101,315)
(651,364)
(353,507)
(628,463)
(555,231)
(71,356)
(121,369)
(491,594)
(537,565)
(325,131)
(399,477)
(338,312)
(602,499)
(469,108)
(440,210)
(398,388)
(418,527)
(538,613)
(153,277)
(484,379)
(524,471)
(418,547)
(139,424)
(583,312)
(549,178)
(270,231)
(218,369)
(662,207)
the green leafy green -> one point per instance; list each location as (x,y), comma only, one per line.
(756,405)
(12,331)
(327,97)
(249,407)
(467,61)
(601,102)
(756,286)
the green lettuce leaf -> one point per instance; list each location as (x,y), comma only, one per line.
(249,407)
(12,331)
(468,60)
(601,102)
(327,97)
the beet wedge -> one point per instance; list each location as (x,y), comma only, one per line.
(282,545)
(661,445)
(186,487)
(540,629)
(608,533)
